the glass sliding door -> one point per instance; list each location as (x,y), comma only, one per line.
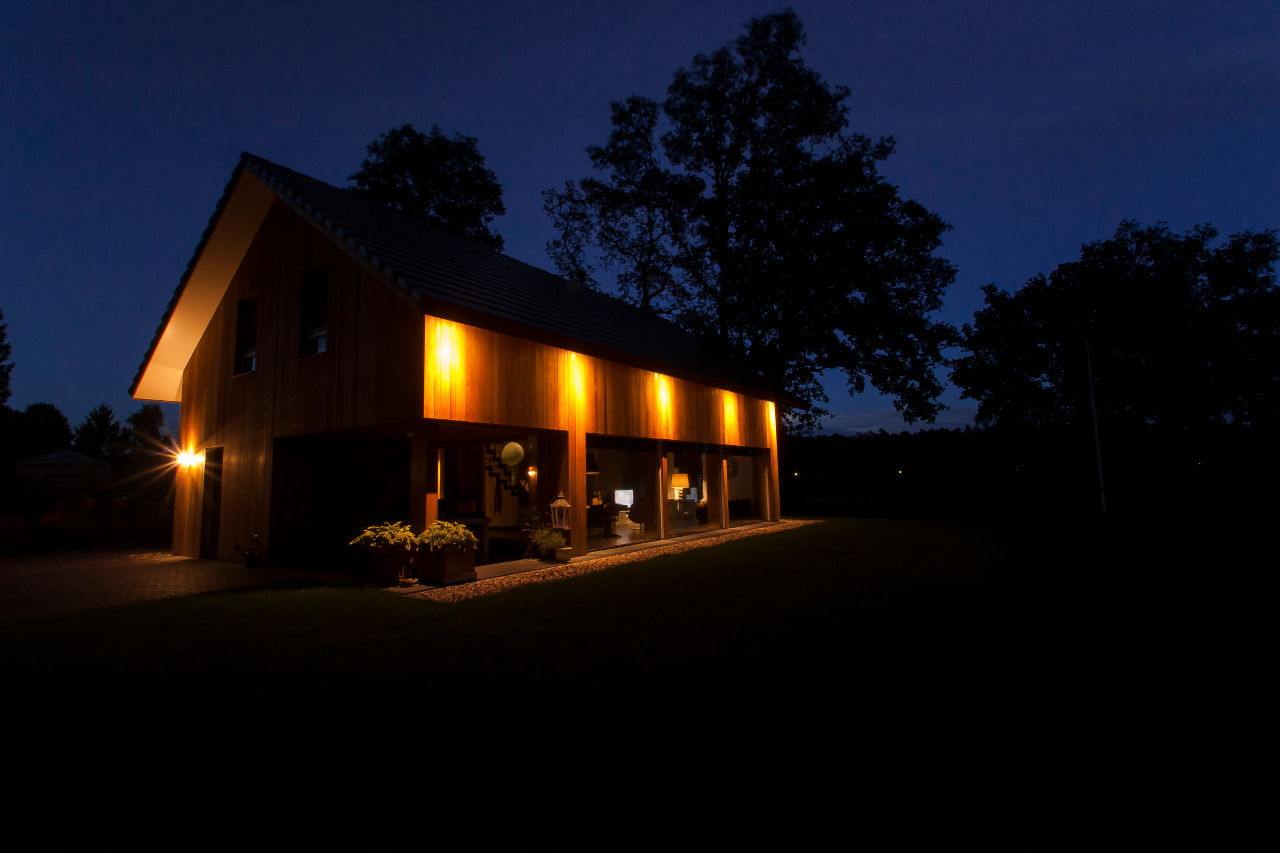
(622,491)
(694,495)
(746,485)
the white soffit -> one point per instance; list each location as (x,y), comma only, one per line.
(219,259)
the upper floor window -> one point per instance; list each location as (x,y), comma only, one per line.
(246,360)
(313,324)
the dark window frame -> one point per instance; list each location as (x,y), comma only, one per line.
(245,355)
(313,313)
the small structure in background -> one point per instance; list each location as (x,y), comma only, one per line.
(63,475)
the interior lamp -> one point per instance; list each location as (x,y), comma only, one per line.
(680,482)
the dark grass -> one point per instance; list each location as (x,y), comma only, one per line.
(1031,678)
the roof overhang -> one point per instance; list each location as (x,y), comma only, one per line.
(244,206)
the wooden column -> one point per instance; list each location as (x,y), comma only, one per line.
(664,489)
(576,459)
(773,510)
(724,489)
(424,475)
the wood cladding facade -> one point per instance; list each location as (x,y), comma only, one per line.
(370,376)
(390,369)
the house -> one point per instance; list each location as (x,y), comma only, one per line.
(339,364)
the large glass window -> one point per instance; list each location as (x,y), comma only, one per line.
(745,480)
(490,484)
(693,500)
(622,491)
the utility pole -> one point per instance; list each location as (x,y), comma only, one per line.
(1093,412)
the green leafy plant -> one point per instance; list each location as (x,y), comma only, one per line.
(548,540)
(543,538)
(389,534)
(447,534)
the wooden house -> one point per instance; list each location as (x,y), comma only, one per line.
(339,364)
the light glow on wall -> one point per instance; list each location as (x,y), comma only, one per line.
(445,374)
(447,354)
(578,379)
(663,395)
(729,412)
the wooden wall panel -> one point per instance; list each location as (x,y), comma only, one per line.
(370,376)
(478,376)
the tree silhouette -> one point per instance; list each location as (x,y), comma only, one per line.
(1180,333)
(41,428)
(436,178)
(6,366)
(758,220)
(144,433)
(99,434)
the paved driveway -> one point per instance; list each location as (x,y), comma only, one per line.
(53,583)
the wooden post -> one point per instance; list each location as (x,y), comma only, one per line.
(577,496)
(664,489)
(724,490)
(424,475)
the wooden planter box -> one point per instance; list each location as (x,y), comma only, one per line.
(446,566)
(382,566)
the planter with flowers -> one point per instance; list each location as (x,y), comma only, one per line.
(446,554)
(384,553)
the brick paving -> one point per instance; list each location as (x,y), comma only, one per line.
(39,585)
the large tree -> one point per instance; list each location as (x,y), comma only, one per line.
(434,177)
(6,366)
(1178,331)
(744,208)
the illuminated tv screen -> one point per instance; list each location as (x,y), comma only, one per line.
(624,497)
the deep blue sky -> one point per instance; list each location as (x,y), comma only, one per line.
(1030,127)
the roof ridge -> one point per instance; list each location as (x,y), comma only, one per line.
(433,264)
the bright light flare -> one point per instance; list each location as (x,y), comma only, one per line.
(188,459)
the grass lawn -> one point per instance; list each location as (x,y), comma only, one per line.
(987,676)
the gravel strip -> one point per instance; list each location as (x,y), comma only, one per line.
(475,589)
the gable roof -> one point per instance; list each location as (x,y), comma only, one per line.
(444,274)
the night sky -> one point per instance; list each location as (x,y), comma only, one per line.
(1030,127)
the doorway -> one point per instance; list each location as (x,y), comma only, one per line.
(211,504)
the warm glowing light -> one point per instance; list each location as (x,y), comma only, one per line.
(188,459)
(729,407)
(533,472)
(444,375)
(578,370)
(663,393)
(447,351)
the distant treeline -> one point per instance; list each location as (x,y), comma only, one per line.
(1222,467)
(101,484)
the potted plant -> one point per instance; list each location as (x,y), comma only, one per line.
(384,553)
(544,540)
(446,553)
(548,541)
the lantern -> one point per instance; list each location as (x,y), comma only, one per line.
(560,512)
